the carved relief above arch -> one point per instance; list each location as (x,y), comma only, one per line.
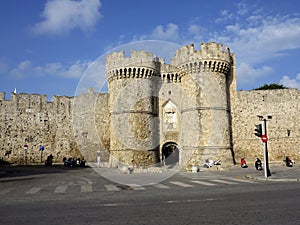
(170,117)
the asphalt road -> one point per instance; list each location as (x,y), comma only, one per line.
(38,195)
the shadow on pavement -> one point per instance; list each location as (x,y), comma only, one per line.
(18,171)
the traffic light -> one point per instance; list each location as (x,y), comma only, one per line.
(258,130)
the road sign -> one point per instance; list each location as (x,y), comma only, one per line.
(264,138)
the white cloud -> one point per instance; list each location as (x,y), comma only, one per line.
(195,31)
(60,16)
(170,33)
(225,16)
(26,69)
(254,36)
(257,38)
(21,69)
(250,74)
(57,69)
(290,82)
(243,8)
(256,44)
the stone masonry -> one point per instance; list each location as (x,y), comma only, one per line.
(184,112)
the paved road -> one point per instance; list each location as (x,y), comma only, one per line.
(80,196)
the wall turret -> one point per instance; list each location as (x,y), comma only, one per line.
(132,83)
(205,101)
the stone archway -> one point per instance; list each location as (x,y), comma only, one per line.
(170,153)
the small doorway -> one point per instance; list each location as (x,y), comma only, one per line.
(170,153)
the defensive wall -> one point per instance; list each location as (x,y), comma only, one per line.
(29,119)
(49,124)
(283,128)
(191,104)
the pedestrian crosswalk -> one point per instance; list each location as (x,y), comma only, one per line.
(61,189)
(205,183)
(33,190)
(181,184)
(88,187)
(172,184)
(223,181)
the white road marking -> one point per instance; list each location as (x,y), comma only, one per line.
(241,180)
(111,187)
(158,185)
(203,183)
(223,181)
(61,189)
(136,187)
(86,188)
(33,190)
(181,184)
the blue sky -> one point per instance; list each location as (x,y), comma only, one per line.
(46,46)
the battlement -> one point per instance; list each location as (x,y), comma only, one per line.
(208,51)
(211,57)
(136,58)
(2,96)
(171,74)
(139,64)
(34,103)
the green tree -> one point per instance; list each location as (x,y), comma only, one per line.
(271,86)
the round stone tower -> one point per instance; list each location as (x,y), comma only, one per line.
(134,124)
(205,114)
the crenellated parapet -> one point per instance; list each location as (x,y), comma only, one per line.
(171,74)
(211,57)
(140,64)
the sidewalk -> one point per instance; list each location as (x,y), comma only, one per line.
(278,173)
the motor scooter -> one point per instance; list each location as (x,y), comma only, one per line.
(288,162)
(258,164)
(72,162)
(49,160)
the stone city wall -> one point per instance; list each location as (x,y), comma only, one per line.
(283,129)
(29,119)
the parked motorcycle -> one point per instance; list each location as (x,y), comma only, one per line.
(209,163)
(49,160)
(72,162)
(258,164)
(288,162)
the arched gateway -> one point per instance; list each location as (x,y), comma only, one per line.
(170,153)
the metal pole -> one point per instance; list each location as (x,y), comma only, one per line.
(25,156)
(265,144)
(25,153)
(98,159)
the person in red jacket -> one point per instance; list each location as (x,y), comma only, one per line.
(243,163)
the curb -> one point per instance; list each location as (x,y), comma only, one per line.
(249,176)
